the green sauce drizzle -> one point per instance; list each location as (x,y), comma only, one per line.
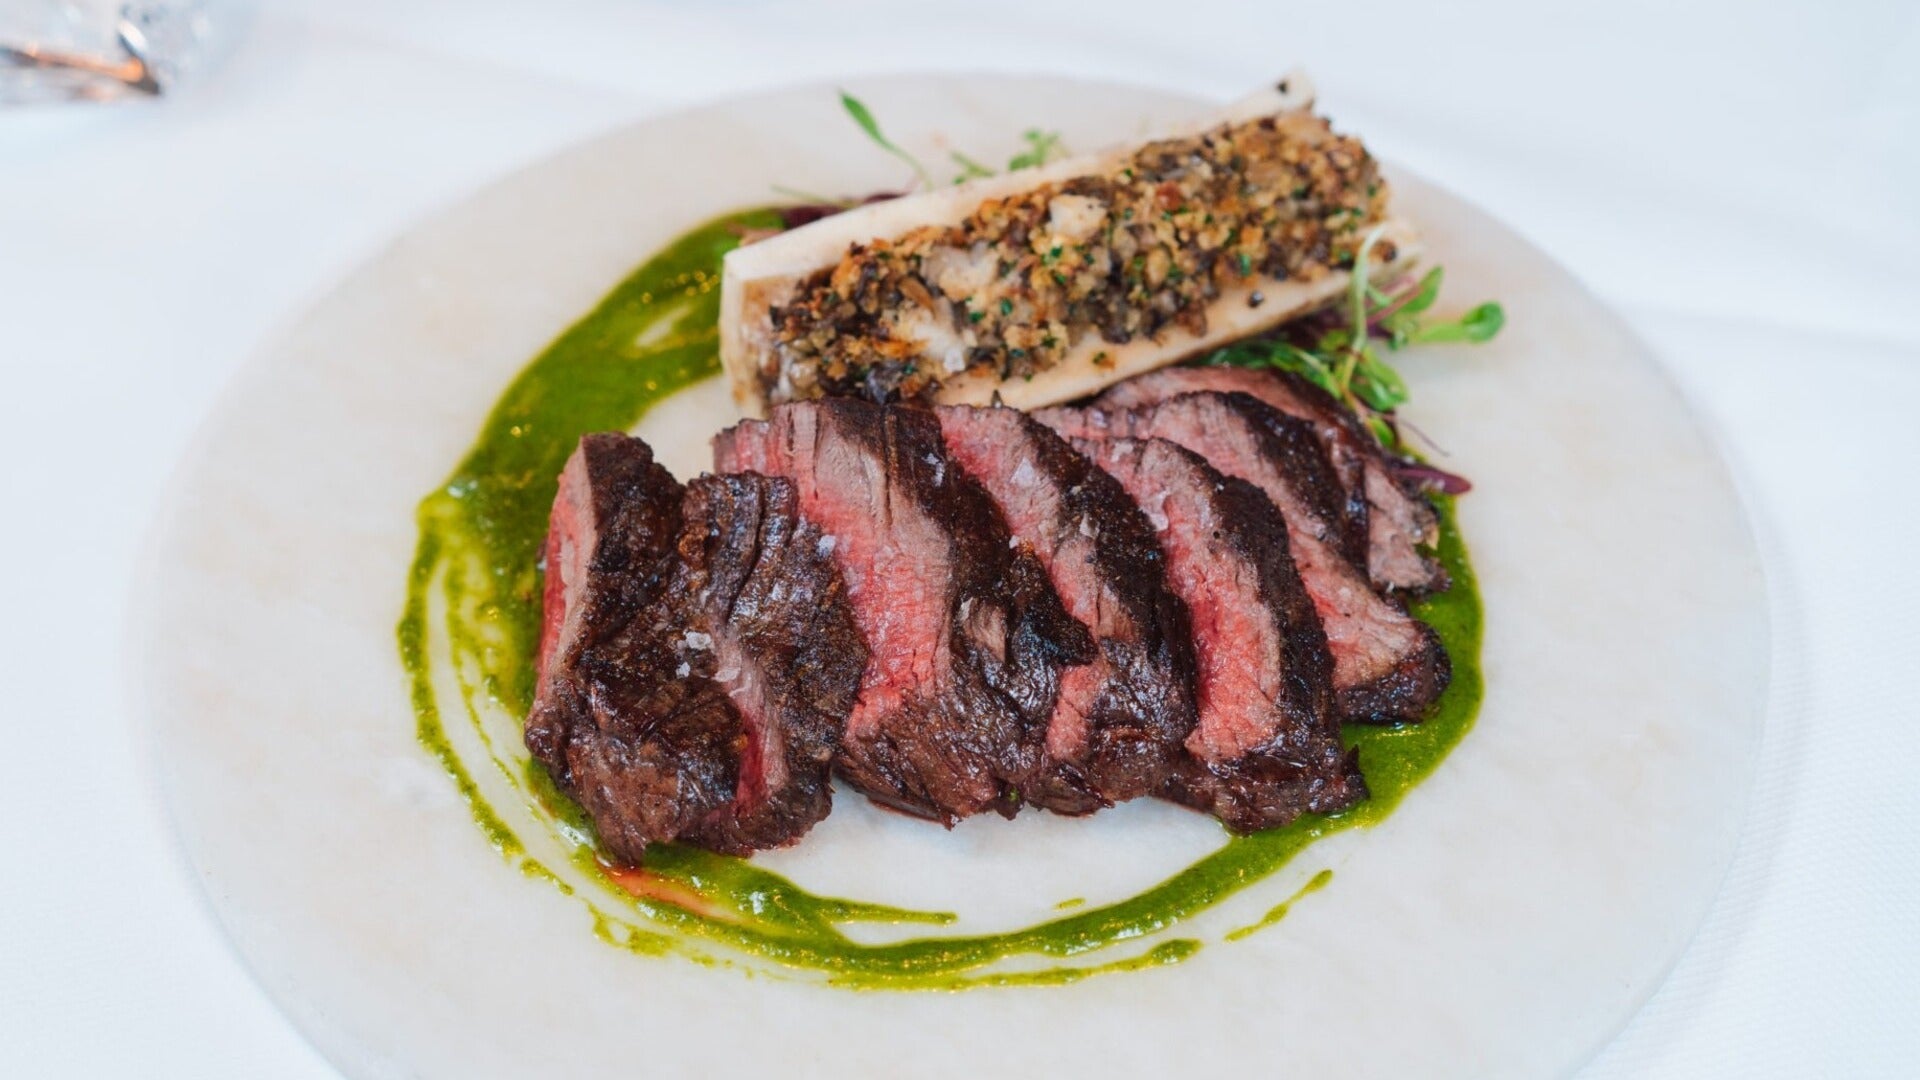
(472,621)
(1279,911)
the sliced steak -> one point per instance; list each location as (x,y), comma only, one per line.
(761,585)
(1385,520)
(1386,664)
(615,522)
(697,656)
(968,639)
(1266,747)
(1117,727)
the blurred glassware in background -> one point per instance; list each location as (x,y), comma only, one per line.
(102,50)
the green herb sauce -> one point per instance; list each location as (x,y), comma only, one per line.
(472,621)
(1279,911)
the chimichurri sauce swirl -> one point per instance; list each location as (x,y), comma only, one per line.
(472,620)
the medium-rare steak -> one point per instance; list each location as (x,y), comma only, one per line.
(697,657)
(615,522)
(1266,747)
(785,650)
(1385,522)
(1117,726)
(968,639)
(1386,664)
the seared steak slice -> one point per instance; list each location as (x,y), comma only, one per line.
(1266,746)
(684,692)
(968,639)
(785,651)
(1117,726)
(593,723)
(1385,520)
(1386,664)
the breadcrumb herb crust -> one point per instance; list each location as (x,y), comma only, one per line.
(1122,254)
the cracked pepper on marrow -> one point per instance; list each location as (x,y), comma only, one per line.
(1044,285)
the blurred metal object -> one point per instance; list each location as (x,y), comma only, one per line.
(97,50)
(132,72)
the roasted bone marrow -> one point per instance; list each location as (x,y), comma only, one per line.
(1045,285)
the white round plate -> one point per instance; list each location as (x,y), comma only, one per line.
(1505,921)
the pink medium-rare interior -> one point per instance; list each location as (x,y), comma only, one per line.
(897,600)
(989,445)
(1401,521)
(569,547)
(1365,634)
(763,757)
(1362,629)
(1236,644)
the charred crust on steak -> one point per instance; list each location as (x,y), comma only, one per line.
(698,658)
(968,636)
(1118,722)
(1387,666)
(1387,522)
(785,649)
(1266,747)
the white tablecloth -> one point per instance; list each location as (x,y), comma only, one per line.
(1741,180)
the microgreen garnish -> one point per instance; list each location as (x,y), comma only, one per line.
(864,117)
(1340,350)
(810,197)
(1042,146)
(1475,326)
(969,168)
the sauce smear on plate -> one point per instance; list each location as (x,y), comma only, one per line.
(472,622)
